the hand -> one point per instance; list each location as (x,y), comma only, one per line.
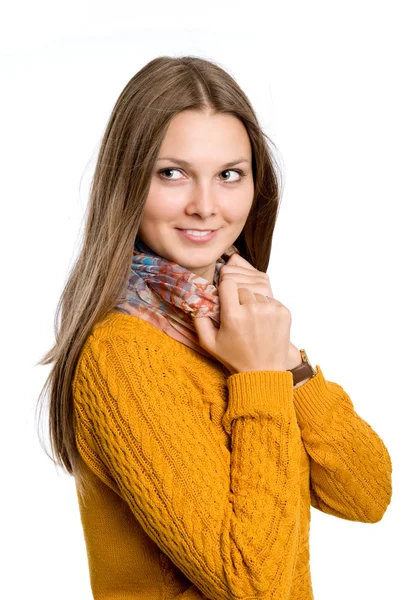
(258,282)
(254,332)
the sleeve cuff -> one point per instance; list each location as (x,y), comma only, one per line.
(315,399)
(258,393)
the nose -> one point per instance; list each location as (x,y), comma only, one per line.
(203,201)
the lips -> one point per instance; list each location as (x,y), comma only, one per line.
(198,238)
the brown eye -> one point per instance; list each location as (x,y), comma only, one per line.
(240,173)
(167,170)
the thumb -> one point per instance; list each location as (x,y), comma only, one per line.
(206,332)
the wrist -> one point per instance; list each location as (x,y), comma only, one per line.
(300,366)
(294,357)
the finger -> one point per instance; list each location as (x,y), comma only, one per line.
(228,297)
(238,269)
(257,279)
(237,259)
(261,297)
(228,269)
(246,296)
(206,331)
(262,283)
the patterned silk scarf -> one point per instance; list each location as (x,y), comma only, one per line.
(169,296)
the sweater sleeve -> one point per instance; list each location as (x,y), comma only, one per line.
(228,519)
(350,465)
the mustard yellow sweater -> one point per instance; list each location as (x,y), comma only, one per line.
(202,481)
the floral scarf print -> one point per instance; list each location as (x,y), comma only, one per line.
(169,296)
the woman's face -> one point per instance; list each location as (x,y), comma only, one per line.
(204,193)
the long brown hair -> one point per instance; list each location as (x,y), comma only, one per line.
(129,149)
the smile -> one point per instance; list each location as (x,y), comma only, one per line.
(197,236)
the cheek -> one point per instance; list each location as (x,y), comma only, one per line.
(160,206)
(237,207)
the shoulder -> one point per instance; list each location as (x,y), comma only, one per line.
(126,351)
(120,332)
(126,327)
(122,342)
(127,367)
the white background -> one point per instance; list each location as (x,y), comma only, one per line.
(324,79)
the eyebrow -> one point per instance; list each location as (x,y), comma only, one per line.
(185,163)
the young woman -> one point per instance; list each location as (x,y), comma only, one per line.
(198,434)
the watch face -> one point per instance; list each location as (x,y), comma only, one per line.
(306,360)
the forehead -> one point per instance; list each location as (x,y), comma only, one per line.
(197,137)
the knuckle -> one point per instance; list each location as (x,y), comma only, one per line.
(283,310)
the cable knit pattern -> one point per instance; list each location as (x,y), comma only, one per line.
(202,481)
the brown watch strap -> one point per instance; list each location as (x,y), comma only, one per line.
(304,370)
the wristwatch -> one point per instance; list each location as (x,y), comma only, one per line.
(304,370)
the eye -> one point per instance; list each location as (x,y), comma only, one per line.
(171,169)
(238,171)
(165,170)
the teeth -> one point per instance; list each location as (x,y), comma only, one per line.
(197,233)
